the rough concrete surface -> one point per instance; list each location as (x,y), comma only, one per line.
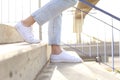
(22,61)
(75,71)
(9,34)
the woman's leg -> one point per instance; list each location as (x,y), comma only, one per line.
(54,34)
(42,15)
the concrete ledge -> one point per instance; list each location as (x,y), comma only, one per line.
(22,61)
(8,34)
(75,71)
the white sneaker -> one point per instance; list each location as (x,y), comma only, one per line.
(26,33)
(65,57)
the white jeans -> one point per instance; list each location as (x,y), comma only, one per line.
(52,12)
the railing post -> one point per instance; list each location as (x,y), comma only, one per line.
(112,46)
(90,53)
(119,46)
(105,53)
(98,49)
(0,11)
(40,28)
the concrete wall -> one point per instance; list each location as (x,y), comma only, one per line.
(8,34)
(25,61)
(20,60)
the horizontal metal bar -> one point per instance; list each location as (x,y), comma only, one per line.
(105,12)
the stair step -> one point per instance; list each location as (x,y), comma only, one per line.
(22,61)
(89,59)
(101,72)
(9,34)
(74,71)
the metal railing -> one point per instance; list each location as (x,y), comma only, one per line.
(12,11)
(106,50)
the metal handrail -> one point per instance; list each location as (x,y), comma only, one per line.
(109,14)
(98,19)
(99,9)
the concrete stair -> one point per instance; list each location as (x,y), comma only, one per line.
(22,61)
(75,71)
(18,59)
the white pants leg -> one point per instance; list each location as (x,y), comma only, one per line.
(51,10)
(54,30)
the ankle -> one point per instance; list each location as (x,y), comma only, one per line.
(28,22)
(56,52)
(55,49)
(25,23)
